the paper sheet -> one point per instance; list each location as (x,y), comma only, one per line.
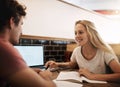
(69,75)
(67,84)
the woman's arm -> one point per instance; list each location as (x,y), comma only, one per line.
(114,77)
(67,64)
(54,64)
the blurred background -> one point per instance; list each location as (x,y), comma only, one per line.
(108,8)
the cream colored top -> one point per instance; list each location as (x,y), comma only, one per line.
(95,65)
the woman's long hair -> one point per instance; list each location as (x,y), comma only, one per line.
(94,36)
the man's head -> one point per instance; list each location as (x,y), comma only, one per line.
(11,18)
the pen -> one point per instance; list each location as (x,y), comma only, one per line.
(52,69)
(47,67)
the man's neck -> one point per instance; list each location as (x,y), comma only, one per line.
(4,35)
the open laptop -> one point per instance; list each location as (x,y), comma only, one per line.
(32,54)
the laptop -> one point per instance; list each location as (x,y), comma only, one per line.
(32,54)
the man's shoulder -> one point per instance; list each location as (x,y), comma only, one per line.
(4,42)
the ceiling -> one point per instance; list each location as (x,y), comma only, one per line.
(108,8)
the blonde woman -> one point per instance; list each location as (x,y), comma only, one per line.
(92,54)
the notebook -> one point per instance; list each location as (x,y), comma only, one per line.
(74,76)
(32,54)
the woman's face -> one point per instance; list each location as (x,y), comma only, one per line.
(81,35)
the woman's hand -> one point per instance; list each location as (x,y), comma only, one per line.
(51,64)
(86,73)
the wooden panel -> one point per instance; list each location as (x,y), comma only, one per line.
(45,38)
(116,48)
(70,47)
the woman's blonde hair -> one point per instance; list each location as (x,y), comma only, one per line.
(94,36)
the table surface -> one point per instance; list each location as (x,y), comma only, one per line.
(55,74)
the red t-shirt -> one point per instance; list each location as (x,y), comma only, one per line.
(10,61)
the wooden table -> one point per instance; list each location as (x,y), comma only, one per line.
(55,74)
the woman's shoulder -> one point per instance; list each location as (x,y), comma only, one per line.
(108,56)
(105,54)
(77,48)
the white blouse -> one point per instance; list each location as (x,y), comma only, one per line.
(95,65)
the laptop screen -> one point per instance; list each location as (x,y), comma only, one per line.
(32,54)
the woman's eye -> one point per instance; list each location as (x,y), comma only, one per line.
(75,33)
(80,32)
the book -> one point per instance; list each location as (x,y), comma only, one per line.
(66,84)
(74,75)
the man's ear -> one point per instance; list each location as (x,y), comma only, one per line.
(12,24)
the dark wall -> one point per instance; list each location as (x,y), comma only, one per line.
(53,49)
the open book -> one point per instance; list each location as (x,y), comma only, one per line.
(73,75)
(67,84)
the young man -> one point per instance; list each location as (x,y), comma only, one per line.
(13,70)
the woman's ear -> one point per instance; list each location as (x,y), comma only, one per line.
(12,24)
